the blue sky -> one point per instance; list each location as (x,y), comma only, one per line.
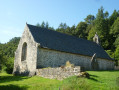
(15,13)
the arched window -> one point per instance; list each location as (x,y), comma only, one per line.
(24,52)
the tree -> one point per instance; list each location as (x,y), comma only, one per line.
(9,64)
(43,24)
(73,30)
(91,33)
(100,13)
(113,25)
(7,53)
(68,30)
(90,22)
(47,25)
(12,46)
(106,14)
(81,30)
(116,43)
(89,19)
(89,27)
(115,28)
(38,25)
(1,61)
(117,53)
(113,17)
(110,53)
(62,28)
(51,28)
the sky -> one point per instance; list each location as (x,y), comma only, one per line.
(15,13)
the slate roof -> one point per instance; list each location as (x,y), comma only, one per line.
(62,42)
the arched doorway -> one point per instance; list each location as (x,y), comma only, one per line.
(94,63)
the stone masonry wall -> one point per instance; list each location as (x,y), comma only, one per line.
(105,64)
(59,72)
(116,68)
(52,58)
(28,66)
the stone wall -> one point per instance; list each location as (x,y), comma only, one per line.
(59,72)
(116,68)
(28,66)
(105,64)
(52,58)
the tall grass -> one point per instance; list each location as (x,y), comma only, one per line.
(75,83)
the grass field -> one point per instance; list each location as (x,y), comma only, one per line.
(99,80)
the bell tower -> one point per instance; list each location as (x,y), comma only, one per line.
(96,39)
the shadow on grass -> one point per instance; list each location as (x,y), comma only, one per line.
(92,77)
(11,78)
(13,87)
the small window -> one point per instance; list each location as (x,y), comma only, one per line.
(24,52)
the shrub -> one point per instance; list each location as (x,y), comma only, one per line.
(9,65)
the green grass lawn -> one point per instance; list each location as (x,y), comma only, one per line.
(99,80)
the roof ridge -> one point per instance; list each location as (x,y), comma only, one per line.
(62,33)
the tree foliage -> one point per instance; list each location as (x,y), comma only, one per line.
(89,19)
(113,17)
(117,53)
(81,30)
(44,25)
(115,28)
(116,43)
(7,51)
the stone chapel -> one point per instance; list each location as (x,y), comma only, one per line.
(42,48)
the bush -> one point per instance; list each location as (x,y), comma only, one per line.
(3,60)
(9,65)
